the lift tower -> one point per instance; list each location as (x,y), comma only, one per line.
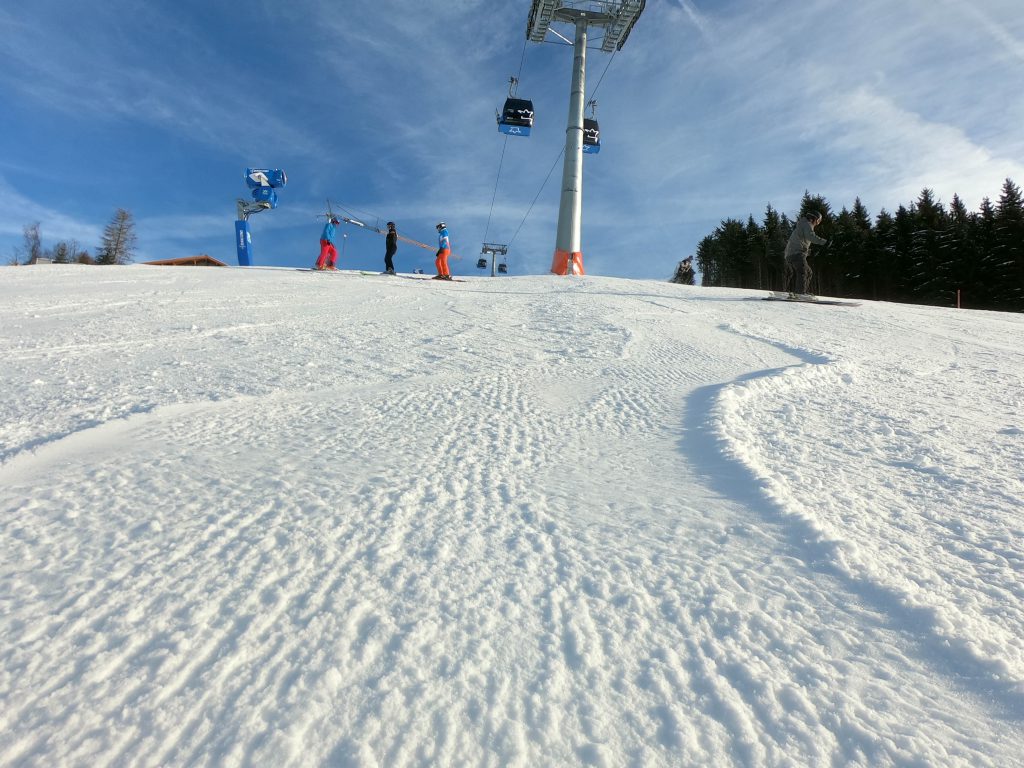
(617,18)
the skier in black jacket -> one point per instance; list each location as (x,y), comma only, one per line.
(390,248)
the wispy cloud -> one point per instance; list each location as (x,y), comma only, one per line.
(55,225)
(171,78)
(998,31)
(700,21)
(891,153)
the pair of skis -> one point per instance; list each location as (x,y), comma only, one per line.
(379,274)
(807,298)
(411,277)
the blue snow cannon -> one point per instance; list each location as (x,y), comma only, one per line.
(265,177)
(265,195)
(263,183)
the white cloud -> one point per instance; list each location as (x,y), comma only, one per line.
(110,72)
(890,153)
(700,21)
(19,211)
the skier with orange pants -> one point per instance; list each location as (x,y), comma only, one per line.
(444,249)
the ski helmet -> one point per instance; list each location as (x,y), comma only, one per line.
(442,225)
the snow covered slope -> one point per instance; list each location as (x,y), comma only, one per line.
(267,517)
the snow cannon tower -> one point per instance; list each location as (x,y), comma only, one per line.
(263,183)
(616,18)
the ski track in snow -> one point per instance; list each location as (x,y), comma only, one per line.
(891,556)
(282,519)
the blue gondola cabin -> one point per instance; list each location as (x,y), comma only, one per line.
(516,119)
(591,136)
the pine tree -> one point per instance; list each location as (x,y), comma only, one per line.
(927,283)
(754,274)
(1009,246)
(987,269)
(843,255)
(775,232)
(708,261)
(860,267)
(118,244)
(905,224)
(958,251)
(882,256)
(815,203)
(733,252)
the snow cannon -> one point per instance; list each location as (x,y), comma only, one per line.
(264,183)
(265,195)
(265,177)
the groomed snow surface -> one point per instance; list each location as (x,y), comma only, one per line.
(276,518)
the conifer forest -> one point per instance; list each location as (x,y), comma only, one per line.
(924,253)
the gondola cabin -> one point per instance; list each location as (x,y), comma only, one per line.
(503,268)
(591,136)
(516,119)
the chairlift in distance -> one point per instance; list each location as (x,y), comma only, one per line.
(591,131)
(516,118)
(483,263)
(493,249)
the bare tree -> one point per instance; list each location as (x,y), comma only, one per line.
(33,247)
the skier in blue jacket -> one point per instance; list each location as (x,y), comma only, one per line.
(444,249)
(328,253)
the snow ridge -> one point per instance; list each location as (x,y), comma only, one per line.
(858,520)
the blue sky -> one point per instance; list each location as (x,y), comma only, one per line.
(711,110)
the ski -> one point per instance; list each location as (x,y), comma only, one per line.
(807,298)
(409,277)
(431,278)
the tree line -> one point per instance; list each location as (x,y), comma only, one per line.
(117,246)
(924,253)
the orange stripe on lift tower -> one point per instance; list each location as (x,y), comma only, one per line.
(560,264)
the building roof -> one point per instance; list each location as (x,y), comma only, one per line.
(199,260)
